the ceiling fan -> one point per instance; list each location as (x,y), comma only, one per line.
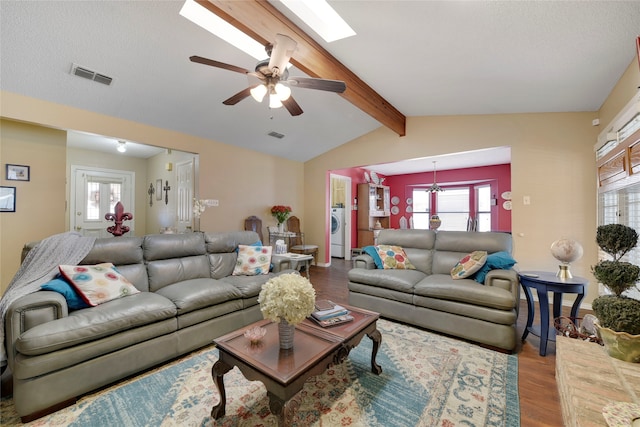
(274,77)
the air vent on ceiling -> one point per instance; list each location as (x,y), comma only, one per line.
(276,135)
(86,73)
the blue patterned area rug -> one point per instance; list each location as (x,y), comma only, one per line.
(426,380)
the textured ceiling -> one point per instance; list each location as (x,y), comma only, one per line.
(424,57)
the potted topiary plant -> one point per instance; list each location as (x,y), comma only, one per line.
(618,316)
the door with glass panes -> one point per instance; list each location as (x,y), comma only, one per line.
(95,193)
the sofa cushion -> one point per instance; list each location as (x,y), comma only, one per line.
(394,257)
(169,271)
(194,294)
(399,280)
(94,323)
(499,260)
(443,286)
(469,264)
(98,283)
(249,286)
(61,286)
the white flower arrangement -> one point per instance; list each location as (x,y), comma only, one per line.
(199,207)
(289,296)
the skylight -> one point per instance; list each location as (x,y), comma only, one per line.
(199,15)
(321,17)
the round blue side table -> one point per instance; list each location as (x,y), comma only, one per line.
(544,282)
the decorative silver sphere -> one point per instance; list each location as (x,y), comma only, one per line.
(566,251)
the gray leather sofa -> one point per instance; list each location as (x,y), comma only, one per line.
(429,297)
(188,297)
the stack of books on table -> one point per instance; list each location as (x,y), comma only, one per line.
(329,314)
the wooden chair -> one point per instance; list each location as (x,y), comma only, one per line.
(253,223)
(297,245)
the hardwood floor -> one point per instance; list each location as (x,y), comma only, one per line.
(539,399)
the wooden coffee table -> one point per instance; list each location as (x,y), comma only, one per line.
(284,372)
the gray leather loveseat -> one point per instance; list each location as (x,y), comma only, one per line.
(429,297)
(188,297)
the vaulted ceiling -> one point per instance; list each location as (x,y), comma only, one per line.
(409,58)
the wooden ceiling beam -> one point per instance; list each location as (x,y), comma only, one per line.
(261,21)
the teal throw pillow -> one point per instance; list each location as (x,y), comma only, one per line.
(373,253)
(495,261)
(61,286)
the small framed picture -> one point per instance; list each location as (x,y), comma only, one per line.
(18,173)
(7,199)
(158,189)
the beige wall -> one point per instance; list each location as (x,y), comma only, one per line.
(40,202)
(621,94)
(245,182)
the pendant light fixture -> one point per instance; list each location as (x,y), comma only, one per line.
(434,187)
(122,146)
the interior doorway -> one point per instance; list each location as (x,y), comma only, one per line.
(340,214)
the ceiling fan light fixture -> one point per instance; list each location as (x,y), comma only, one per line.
(258,92)
(122,146)
(274,102)
(283,92)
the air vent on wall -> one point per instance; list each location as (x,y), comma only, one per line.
(276,135)
(86,73)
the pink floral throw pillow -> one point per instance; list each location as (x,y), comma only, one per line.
(252,260)
(99,283)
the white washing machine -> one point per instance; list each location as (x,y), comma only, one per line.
(337,232)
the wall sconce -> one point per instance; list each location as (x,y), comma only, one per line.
(169,166)
(122,146)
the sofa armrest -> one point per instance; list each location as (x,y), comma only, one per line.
(29,311)
(505,279)
(364,261)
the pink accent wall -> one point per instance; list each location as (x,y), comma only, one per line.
(498,176)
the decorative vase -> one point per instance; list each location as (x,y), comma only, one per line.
(434,222)
(285,332)
(281,227)
(620,345)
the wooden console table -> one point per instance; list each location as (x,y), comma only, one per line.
(588,379)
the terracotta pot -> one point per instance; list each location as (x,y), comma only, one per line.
(620,345)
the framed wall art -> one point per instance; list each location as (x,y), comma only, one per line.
(18,173)
(7,199)
(158,189)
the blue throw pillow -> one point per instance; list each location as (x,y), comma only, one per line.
(61,286)
(373,253)
(495,261)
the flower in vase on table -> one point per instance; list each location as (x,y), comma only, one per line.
(281,213)
(289,297)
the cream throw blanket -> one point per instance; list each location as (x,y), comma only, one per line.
(40,266)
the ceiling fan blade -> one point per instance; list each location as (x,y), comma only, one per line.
(283,48)
(211,62)
(233,100)
(337,86)
(292,106)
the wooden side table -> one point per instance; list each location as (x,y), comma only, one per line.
(544,282)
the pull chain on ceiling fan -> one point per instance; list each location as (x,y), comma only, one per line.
(274,77)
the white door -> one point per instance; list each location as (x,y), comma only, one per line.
(185,186)
(94,193)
